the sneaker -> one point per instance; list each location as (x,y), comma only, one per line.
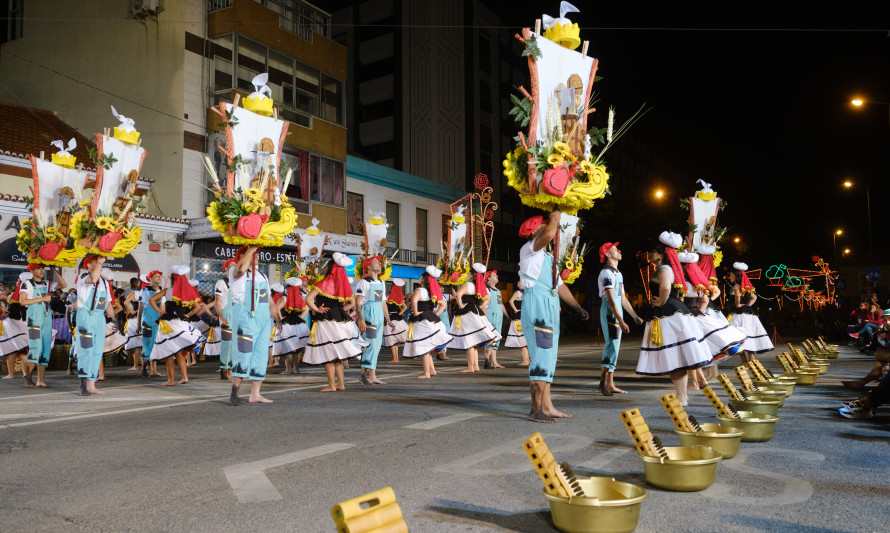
(858,412)
(852,404)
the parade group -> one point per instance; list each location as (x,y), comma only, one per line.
(318,315)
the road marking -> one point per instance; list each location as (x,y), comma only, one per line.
(444,421)
(790,489)
(249,481)
(599,463)
(510,458)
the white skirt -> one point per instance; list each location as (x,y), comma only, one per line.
(474,330)
(680,349)
(331,342)
(290,338)
(181,337)
(213,344)
(133,334)
(423,337)
(757,339)
(355,336)
(114,341)
(14,338)
(393,337)
(719,337)
(515,339)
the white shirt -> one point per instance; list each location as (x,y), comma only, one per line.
(530,264)
(363,289)
(610,278)
(221,290)
(28,288)
(239,286)
(670,272)
(84,290)
(424,294)
(521,295)
(471,288)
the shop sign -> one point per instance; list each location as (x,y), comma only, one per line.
(227,251)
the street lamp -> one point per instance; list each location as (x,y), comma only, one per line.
(846,252)
(859,102)
(834,236)
(659,193)
(849,185)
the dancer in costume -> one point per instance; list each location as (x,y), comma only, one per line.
(147,317)
(395,305)
(672,341)
(209,316)
(426,332)
(222,299)
(133,347)
(612,324)
(721,339)
(293,334)
(446,322)
(542,289)
(253,316)
(14,334)
(329,343)
(176,336)
(494,313)
(35,296)
(114,340)
(470,329)
(743,316)
(93,298)
(274,353)
(515,338)
(370,302)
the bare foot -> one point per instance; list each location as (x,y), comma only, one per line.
(524,363)
(540,417)
(259,399)
(466,371)
(365,381)
(433,373)
(692,386)
(42,384)
(376,381)
(169,384)
(393,361)
(183,382)
(496,365)
(134,368)
(616,389)
(424,376)
(341,387)
(156,375)
(94,390)
(328,389)
(8,377)
(557,414)
(443,358)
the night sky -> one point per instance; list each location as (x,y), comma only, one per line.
(757,103)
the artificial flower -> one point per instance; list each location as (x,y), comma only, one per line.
(562,148)
(586,167)
(106,223)
(251,206)
(254,194)
(554,160)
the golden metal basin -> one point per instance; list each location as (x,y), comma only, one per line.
(807,377)
(757,427)
(723,439)
(768,395)
(685,469)
(608,506)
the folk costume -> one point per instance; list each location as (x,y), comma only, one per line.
(721,339)
(470,327)
(373,293)
(250,300)
(743,317)
(114,340)
(395,305)
(38,318)
(175,331)
(223,295)
(293,334)
(494,313)
(150,316)
(329,336)
(426,331)
(515,337)
(610,278)
(672,340)
(92,301)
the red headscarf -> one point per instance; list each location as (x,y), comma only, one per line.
(745,283)
(335,284)
(228,264)
(706,263)
(15,297)
(677,268)
(435,291)
(294,298)
(396,296)
(34,266)
(481,289)
(183,291)
(85,264)
(697,277)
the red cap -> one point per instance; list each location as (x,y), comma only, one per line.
(34,266)
(604,249)
(529,226)
(367,262)
(85,264)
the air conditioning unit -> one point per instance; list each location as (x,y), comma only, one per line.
(144,8)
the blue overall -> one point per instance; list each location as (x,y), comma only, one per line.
(372,313)
(540,323)
(495,315)
(444,316)
(90,323)
(149,324)
(227,344)
(40,327)
(611,335)
(254,329)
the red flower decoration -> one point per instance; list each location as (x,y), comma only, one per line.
(565,274)
(49,251)
(455,276)
(480,181)
(249,226)
(108,241)
(556,180)
(489,213)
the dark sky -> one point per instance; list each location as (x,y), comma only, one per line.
(757,103)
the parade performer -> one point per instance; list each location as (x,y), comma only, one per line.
(114,340)
(370,295)
(672,340)
(209,316)
(253,316)
(222,301)
(612,324)
(93,298)
(35,296)
(494,313)
(446,321)
(176,337)
(515,337)
(14,331)
(133,347)
(471,329)
(293,334)
(147,317)
(743,316)
(426,331)
(274,353)
(395,305)
(542,289)
(329,343)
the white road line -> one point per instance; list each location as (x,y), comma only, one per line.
(603,459)
(249,481)
(444,421)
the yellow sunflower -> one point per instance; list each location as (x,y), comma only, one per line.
(50,232)
(106,223)
(585,167)
(562,148)
(251,206)
(84,203)
(554,160)
(254,194)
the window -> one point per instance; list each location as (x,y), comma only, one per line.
(300,18)
(222,63)
(420,230)
(331,99)
(355,213)
(12,20)
(392,233)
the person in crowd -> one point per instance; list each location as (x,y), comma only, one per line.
(878,369)
(147,317)
(225,312)
(132,329)
(176,337)
(372,313)
(58,309)
(14,334)
(494,313)
(293,334)
(35,296)
(93,306)
(743,316)
(395,306)
(515,338)
(865,407)
(612,324)
(470,328)
(426,331)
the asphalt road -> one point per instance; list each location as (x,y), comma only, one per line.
(151,458)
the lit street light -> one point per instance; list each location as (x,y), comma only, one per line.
(834,237)
(849,185)
(659,193)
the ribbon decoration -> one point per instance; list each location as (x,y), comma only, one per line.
(126,123)
(259,83)
(655,336)
(564,7)
(72,144)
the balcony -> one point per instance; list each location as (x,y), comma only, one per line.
(412,257)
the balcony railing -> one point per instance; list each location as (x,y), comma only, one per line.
(214,5)
(413,257)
